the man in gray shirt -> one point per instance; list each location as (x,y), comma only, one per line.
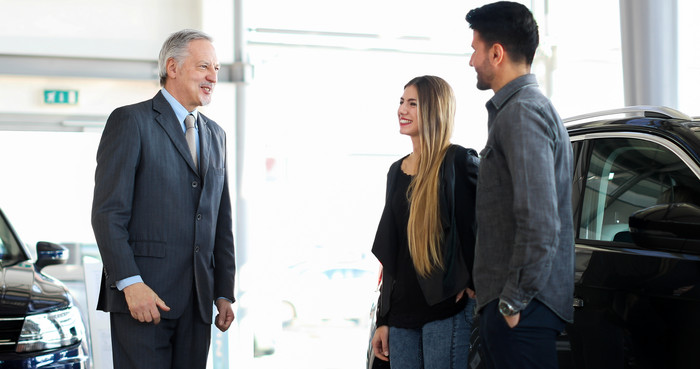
(524,262)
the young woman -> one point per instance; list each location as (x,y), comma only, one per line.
(425,238)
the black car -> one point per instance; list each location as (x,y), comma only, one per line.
(637,214)
(636,201)
(40,326)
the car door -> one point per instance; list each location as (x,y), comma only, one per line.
(636,306)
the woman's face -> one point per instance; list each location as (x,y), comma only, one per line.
(408,112)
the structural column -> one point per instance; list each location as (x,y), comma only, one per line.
(649,30)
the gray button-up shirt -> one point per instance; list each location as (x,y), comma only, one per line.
(525,240)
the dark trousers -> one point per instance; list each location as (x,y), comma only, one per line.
(181,343)
(531,344)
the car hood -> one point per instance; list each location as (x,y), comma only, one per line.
(24,291)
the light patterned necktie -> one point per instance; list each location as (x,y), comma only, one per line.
(190,137)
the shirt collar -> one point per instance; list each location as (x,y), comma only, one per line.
(507,91)
(180,111)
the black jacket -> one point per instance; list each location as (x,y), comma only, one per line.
(458,173)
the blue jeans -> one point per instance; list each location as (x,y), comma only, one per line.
(530,345)
(441,344)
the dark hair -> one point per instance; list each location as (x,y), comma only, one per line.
(509,24)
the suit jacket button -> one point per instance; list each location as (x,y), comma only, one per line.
(196,248)
(195,184)
(199,216)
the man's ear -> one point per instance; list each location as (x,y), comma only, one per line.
(171,67)
(497,54)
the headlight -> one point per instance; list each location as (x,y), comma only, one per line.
(51,330)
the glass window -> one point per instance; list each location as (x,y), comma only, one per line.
(626,175)
(10,250)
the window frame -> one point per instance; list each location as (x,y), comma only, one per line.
(583,147)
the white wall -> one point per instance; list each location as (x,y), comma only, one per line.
(126,29)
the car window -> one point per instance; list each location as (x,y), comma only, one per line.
(626,175)
(10,250)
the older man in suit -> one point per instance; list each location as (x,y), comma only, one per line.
(162,216)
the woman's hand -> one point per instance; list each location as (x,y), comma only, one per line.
(380,343)
(470,292)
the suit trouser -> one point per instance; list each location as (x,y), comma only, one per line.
(531,344)
(173,343)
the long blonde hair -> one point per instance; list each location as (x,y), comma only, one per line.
(436,110)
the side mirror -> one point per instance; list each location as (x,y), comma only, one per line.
(671,227)
(49,254)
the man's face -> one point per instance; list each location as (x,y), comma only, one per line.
(480,60)
(192,82)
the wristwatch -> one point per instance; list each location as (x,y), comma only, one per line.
(506,309)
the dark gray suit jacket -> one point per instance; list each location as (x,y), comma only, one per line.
(154,215)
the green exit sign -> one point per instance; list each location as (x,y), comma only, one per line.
(69,97)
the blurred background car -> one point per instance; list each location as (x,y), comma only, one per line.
(372,361)
(262,311)
(40,324)
(337,292)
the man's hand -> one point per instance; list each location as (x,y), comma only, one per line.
(512,320)
(380,343)
(144,303)
(225,316)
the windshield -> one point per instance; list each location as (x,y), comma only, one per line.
(10,250)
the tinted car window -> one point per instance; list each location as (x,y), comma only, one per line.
(10,250)
(626,175)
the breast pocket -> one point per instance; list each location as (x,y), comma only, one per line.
(216,179)
(490,169)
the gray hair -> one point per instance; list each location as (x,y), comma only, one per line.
(176,47)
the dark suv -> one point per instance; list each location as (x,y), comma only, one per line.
(637,214)
(40,326)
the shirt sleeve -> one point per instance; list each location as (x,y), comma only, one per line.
(126,282)
(528,147)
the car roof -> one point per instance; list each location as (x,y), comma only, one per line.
(670,124)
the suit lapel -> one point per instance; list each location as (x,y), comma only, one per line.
(168,121)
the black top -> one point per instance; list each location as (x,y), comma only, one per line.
(409,309)
(407,300)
